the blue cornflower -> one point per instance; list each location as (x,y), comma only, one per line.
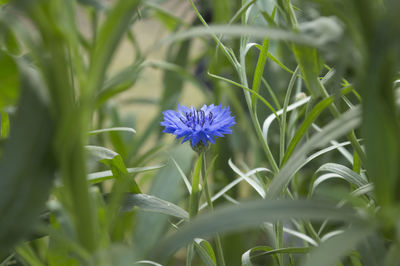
(198,126)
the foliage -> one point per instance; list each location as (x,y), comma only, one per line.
(309,176)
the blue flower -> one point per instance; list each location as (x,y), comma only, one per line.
(198,126)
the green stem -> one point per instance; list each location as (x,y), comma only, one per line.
(332,108)
(350,136)
(254,118)
(194,203)
(238,68)
(283,118)
(195,195)
(278,228)
(189,254)
(220,254)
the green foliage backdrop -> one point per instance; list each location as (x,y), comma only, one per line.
(310,175)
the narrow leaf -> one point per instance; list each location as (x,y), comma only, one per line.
(98,177)
(205,251)
(315,112)
(120,129)
(251,214)
(336,128)
(331,251)
(153,204)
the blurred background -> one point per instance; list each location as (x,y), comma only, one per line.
(309,175)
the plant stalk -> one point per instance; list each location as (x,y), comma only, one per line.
(218,244)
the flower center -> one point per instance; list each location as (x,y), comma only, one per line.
(196,117)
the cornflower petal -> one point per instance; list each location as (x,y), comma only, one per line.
(199,126)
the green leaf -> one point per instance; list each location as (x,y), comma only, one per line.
(117,165)
(258,73)
(314,113)
(123,129)
(322,179)
(120,172)
(242,177)
(28,255)
(167,185)
(242,9)
(4,124)
(266,250)
(98,177)
(268,121)
(366,189)
(310,66)
(246,257)
(345,173)
(180,75)
(110,33)
(336,128)
(100,153)
(250,91)
(120,82)
(168,19)
(9,81)
(279,63)
(26,166)
(205,251)
(147,262)
(381,126)
(331,251)
(252,214)
(97,4)
(252,182)
(184,178)
(115,254)
(7,260)
(153,204)
(237,31)
(282,132)
(8,38)
(173,82)
(195,195)
(61,238)
(294,233)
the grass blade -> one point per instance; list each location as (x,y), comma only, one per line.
(195,195)
(120,129)
(237,31)
(344,172)
(205,251)
(251,214)
(153,204)
(266,250)
(315,112)
(331,251)
(26,167)
(336,128)
(98,177)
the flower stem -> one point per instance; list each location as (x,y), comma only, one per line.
(218,244)
(195,195)
(194,203)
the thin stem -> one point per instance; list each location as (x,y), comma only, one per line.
(253,113)
(194,204)
(278,228)
(283,118)
(189,254)
(195,195)
(332,108)
(220,254)
(228,54)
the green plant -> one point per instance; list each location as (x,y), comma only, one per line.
(80,186)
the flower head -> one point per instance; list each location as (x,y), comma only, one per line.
(198,126)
